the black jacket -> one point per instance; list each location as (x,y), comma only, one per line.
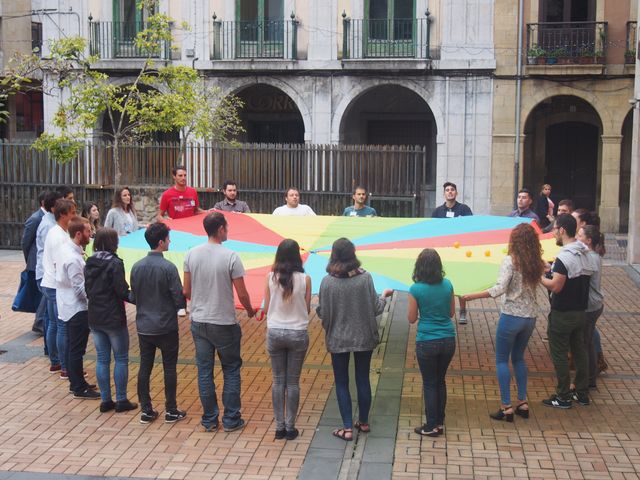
(156,290)
(106,290)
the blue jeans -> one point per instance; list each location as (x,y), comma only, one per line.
(225,339)
(287,349)
(512,337)
(105,340)
(51,328)
(434,357)
(62,342)
(340,363)
(41,317)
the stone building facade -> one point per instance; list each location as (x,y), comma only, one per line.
(578,65)
(353,71)
(442,74)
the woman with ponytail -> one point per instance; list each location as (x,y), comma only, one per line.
(593,239)
(287,301)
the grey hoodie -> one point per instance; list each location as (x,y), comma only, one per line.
(576,260)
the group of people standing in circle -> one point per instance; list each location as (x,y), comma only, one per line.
(347,307)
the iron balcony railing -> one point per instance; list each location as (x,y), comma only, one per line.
(110,40)
(566,42)
(632,42)
(387,38)
(262,39)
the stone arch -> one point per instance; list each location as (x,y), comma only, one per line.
(563,147)
(289,90)
(361,88)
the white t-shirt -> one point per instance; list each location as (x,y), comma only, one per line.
(292,313)
(213,268)
(299,211)
(56,238)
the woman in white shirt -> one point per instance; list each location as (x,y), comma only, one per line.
(122,215)
(287,301)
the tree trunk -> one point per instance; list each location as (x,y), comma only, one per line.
(116,163)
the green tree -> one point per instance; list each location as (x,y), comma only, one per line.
(87,95)
(189,106)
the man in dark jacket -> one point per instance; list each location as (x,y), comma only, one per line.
(30,251)
(156,290)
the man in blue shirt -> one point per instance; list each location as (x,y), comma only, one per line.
(524,206)
(359,207)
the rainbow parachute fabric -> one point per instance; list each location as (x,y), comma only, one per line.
(471,248)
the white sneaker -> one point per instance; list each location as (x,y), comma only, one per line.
(182,312)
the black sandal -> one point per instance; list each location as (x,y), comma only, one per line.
(523,412)
(345,434)
(502,414)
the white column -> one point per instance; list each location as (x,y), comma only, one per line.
(196,41)
(321,24)
(633,247)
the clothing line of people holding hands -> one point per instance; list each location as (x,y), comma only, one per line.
(88,297)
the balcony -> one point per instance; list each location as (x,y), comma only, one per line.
(632,42)
(117,40)
(382,39)
(269,39)
(566,43)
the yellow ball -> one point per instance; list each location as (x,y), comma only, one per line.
(487,253)
(469,253)
(456,244)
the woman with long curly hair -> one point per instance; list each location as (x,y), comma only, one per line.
(519,276)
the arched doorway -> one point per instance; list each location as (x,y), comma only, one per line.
(269,116)
(563,148)
(625,171)
(389,115)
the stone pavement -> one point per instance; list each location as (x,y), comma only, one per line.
(46,434)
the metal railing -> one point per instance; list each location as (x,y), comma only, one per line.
(110,40)
(263,39)
(393,38)
(566,42)
(632,42)
(400,178)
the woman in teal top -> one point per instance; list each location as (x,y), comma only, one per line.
(431,304)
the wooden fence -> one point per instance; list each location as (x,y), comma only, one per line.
(398,177)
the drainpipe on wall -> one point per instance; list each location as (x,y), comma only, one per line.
(516,163)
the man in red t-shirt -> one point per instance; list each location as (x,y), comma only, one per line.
(179,201)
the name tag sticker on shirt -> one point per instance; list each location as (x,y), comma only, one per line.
(193,203)
(450,214)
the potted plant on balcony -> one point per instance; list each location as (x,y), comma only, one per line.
(534,54)
(630,56)
(586,55)
(563,56)
(552,57)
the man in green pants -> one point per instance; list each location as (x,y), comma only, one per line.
(569,287)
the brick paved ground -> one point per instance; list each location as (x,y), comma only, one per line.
(43,429)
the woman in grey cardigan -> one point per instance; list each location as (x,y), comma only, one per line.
(122,216)
(348,309)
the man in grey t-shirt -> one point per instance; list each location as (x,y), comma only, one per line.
(211,272)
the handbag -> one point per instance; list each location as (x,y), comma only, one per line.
(28,297)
